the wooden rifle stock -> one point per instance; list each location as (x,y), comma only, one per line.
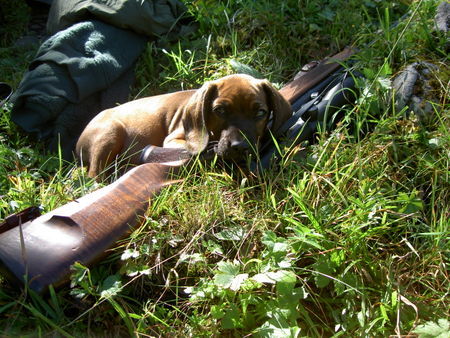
(40,251)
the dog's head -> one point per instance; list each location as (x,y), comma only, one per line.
(235,112)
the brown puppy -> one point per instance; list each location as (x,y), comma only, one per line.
(233,111)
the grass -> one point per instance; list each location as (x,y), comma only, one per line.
(346,238)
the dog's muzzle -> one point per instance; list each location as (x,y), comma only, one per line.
(234,149)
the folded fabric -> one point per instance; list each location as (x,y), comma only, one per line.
(70,67)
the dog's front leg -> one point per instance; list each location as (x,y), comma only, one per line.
(176,139)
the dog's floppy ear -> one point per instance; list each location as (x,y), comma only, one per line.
(281,109)
(195,117)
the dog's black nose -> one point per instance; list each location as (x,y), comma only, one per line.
(239,146)
(237,150)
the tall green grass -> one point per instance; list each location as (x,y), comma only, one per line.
(346,237)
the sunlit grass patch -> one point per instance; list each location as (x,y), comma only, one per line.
(345,236)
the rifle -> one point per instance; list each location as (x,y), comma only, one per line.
(39,252)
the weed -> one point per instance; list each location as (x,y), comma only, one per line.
(346,237)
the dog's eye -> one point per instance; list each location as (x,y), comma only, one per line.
(261,114)
(219,111)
